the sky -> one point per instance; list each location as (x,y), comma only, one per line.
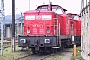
(73,6)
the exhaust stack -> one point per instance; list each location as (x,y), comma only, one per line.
(50,6)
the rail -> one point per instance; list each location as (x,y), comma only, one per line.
(7,43)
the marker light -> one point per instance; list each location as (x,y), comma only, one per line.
(48,31)
(28,31)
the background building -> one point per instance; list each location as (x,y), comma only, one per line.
(8,25)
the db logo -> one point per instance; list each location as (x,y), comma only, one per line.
(38,17)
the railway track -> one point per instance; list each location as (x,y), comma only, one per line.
(34,57)
(31,56)
(6,43)
(43,56)
(39,57)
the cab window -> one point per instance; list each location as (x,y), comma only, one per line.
(75,17)
(43,8)
(57,10)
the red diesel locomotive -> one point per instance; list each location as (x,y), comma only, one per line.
(75,27)
(49,28)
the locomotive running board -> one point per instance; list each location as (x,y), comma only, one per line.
(64,37)
(55,47)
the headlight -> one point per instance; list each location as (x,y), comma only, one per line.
(22,41)
(48,31)
(28,31)
(47,40)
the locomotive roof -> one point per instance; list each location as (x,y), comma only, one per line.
(33,11)
(51,5)
(72,14)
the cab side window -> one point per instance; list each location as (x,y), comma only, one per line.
(75,17)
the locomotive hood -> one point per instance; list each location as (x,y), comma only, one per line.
(38,22)
(37,11)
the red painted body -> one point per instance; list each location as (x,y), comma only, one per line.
(75,24)
(39,21)
(37,25)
